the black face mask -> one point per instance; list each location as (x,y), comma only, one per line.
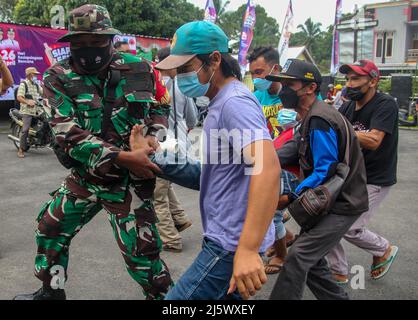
(289,97)
(92,59)
(355,94)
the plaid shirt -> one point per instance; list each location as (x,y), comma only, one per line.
(32,90)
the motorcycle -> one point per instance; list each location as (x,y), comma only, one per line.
(40,135)
(408,117)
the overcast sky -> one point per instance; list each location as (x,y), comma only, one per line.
(319,10)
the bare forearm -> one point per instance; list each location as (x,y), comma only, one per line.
(7,78)
(368,140)
(22,100)
(124,159)
(262,203)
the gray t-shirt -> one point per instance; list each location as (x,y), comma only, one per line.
(235,120)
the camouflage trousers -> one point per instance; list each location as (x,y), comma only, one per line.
(135,232)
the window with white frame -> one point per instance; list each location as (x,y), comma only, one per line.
(415,40)
(384,45)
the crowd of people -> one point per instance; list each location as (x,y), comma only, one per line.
(265,157)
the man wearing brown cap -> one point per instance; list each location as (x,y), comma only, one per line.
(94,99)
(27,95)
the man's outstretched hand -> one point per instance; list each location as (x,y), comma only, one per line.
(137,161)
(138,141)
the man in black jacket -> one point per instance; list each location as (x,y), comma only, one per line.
(321,146)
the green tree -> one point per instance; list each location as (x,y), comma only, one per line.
(321,46)
(221,9)
(322,49)
(6,9)
(33,12)
(153,18)
(297,39)
(266,30)
(347,16)
(310,30)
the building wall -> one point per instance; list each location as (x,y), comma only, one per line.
(393,19)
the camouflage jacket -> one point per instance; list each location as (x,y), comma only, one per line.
(75,105)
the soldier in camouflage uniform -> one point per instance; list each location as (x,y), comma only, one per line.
(105,169)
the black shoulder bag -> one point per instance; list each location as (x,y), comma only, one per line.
(314,204)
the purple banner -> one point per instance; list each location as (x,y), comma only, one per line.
(23,46)
(29,46)
(247,33)
(210,12)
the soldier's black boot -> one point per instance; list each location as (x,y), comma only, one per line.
(44,293)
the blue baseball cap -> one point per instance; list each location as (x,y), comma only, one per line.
(191,39)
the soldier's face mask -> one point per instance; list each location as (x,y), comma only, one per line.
(92,59)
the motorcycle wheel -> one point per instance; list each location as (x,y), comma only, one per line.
(16,132)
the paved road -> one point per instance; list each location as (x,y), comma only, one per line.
(96,268)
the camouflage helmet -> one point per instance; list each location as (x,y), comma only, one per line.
(89,19)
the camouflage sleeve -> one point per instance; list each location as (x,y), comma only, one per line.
(95,154)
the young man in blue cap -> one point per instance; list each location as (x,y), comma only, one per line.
(237,199)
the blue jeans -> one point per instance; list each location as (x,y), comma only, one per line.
(289,183)
(208,277)
(279,225)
